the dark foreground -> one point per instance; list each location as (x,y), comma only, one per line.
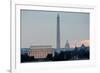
(62,56)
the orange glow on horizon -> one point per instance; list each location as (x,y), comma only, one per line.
(85,42)
(79,43)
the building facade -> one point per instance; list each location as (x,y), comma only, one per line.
(40,51)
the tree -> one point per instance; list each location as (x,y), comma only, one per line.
(49,57)
(56,56)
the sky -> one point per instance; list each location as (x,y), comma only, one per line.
(39,28)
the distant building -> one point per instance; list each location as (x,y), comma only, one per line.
(67,46)
(40,51)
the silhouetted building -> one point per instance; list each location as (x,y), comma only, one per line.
(67,46)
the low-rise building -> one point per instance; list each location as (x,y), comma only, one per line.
(40,51)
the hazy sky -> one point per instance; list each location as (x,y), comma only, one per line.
(39,27)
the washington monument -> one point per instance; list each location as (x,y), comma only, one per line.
(58,32)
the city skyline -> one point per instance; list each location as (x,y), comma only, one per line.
(39,28)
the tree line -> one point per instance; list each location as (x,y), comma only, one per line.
(75,54)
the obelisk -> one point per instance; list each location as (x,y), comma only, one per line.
(58,31)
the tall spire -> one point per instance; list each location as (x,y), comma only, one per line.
(58,31)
